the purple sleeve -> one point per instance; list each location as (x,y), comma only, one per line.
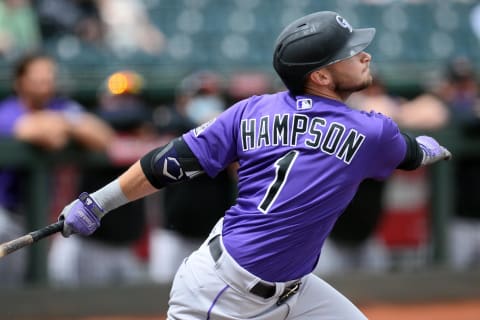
(391,149)
(6,126)
(214,143)
(8,117)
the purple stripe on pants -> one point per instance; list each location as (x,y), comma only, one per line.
(215,300)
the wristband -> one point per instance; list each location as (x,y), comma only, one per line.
(110,197)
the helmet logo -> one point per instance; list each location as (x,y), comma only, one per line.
(344,23)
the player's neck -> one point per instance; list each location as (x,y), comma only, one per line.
(325,92)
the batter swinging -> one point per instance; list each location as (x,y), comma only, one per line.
(302,155)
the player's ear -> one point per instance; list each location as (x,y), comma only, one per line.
(320,77)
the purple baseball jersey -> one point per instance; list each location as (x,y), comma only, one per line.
(301,160)
(11,109)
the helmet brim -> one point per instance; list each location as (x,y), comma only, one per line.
(358,41)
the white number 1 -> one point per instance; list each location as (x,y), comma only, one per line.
(282,170)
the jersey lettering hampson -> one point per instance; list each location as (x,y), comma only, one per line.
(333,138)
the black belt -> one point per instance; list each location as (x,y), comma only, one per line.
(261,289)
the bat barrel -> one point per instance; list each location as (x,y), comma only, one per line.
(9,247)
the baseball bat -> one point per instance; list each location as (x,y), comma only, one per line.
(28,239)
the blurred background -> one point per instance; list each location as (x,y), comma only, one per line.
(101,82)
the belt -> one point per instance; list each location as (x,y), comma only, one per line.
(261,289)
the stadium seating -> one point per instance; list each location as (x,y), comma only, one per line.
(239,34)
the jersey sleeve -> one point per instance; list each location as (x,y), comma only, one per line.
(6,125)
(390,151)
(8,118)
(214,143)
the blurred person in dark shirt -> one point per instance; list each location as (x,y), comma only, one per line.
(461,93)
(188,218)
(109,255)
(39,115)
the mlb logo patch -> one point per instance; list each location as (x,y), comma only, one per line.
(304,104)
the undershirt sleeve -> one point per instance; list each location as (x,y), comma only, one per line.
(413,156)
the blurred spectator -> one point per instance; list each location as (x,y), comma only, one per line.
(109,255)
(200,97)
(78,18)
(36,114)
(186,223)
(355,243)
(460,92)
(426,111)
(19,28)
(248,83)
(128,29)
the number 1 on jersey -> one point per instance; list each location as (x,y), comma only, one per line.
(282,170)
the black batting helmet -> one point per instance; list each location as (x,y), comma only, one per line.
(314,41)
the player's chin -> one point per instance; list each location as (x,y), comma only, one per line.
(367,81)
(362,85)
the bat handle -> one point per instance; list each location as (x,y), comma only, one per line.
(46,231)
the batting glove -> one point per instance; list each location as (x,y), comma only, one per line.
(82,216)
(432,150)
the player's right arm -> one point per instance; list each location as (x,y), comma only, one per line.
(422,151)
(162,166)
(397,150)
(432,151)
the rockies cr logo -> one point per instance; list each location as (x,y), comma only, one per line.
(344,23)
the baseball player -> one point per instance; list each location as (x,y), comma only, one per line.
(302,154)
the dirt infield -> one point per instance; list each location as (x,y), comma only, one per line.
(458,310)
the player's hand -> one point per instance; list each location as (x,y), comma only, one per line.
(432,150)
(82,216)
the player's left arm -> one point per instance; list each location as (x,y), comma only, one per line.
(162,166)
(422,151)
